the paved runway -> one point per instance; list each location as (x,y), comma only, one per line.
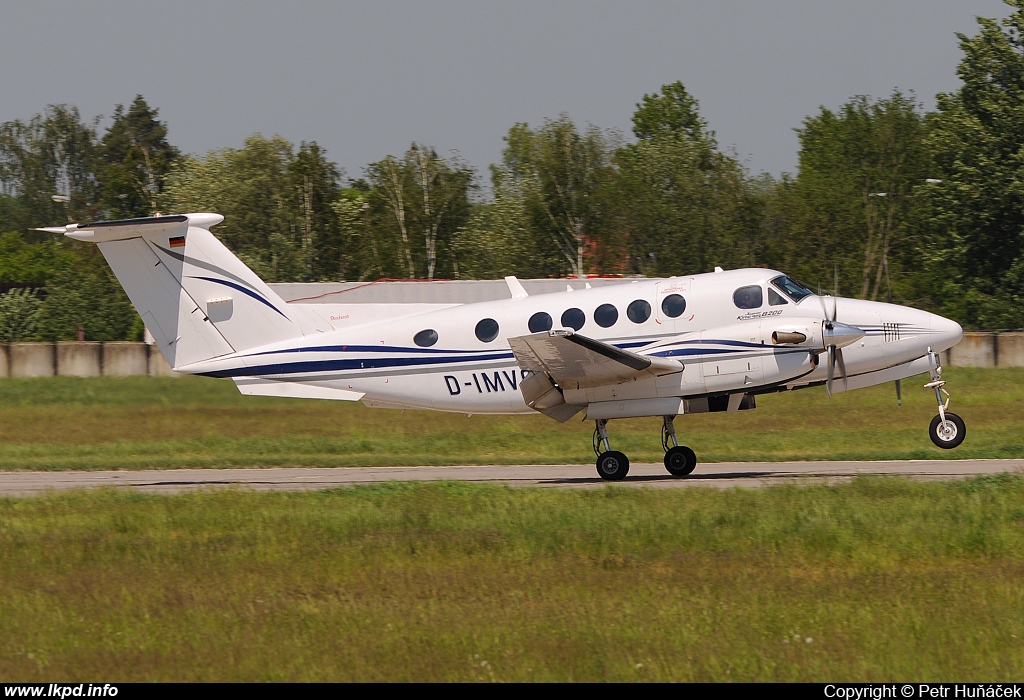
(720,475)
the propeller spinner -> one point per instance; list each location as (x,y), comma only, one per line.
(836,336)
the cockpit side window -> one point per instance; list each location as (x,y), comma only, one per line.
(775,299)
(793,289)
(748,297)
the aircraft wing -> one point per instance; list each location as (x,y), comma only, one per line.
(575,360)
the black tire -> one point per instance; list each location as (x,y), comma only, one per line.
(612,466)
(949,436)
(680,461)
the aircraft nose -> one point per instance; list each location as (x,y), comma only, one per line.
(945,333)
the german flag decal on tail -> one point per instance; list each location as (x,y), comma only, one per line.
(177,242)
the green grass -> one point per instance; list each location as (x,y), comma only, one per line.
(878,579)
(142,422)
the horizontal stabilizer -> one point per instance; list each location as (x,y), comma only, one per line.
(293,390)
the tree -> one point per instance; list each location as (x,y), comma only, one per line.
(565,172)
(852,198)
(974,219)
(277,205)
(678,197)
(421,194)
(54,153)
(496,240)
(87,295)
(136,159)
(19,315)
(313,187)
(674,112)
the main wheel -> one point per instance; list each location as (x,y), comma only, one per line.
(949,434)
(680,461)
(612,466)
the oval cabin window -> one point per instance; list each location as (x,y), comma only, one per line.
(606,315)
(673,305)
(425,338)
(573,318)
(540,322)
(487,330)
(638,311)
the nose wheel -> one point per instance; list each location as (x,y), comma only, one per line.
(680,460)
(947,430)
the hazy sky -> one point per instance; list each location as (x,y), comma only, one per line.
(365,79)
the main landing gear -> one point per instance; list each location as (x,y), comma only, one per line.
(680,460)
(613,465)
(947,430)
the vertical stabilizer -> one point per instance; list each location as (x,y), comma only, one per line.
(197,299)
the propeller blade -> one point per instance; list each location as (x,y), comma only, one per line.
(831,369)
(829,315)
(842,367)
(899,394)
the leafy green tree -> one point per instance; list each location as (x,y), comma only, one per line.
(277,205)
(31,264)
(135,158)
(312,189)
(359,255)
(19,315)
(673,112)
(565,173)
(420,197)
(678,197)
(12,214)
(86,295)
(54,153)
(851,204)
(249,186)
(497,240)
(974,219)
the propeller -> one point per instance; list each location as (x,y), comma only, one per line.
(836,336)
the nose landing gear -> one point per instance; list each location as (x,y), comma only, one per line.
(947,430)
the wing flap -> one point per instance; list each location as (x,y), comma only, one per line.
(575,360)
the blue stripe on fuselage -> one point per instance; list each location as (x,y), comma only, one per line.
(341,365)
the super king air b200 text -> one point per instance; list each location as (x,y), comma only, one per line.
(658,348)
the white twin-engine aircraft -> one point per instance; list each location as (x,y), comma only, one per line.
(659,348)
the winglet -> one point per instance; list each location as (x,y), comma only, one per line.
(516,287)
(59,230)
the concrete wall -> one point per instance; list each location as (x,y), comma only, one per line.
(32,359)
(975,350)
(1011,349)
(79,359)
(158,366)
(125,359)
(88,359)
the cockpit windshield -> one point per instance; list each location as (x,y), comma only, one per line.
(793,289)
